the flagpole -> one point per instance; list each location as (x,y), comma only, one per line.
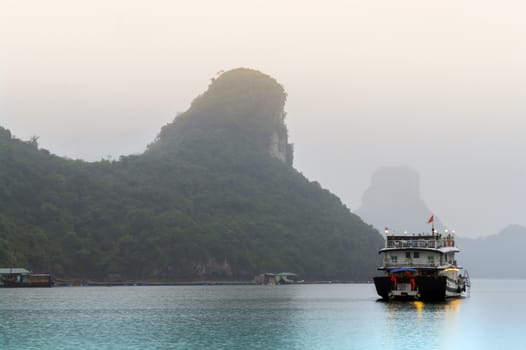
(432,221)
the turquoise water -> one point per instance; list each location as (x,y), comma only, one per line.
(345,316)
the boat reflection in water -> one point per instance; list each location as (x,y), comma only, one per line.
(409,324)
(420,307)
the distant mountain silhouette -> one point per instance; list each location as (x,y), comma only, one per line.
(495,256)
(393,200)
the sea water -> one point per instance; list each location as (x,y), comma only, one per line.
(332,316)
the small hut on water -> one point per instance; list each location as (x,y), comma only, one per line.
(277,278)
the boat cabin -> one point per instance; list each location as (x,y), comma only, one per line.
(419,251)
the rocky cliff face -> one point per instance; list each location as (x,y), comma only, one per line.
(213,268)
(280,147)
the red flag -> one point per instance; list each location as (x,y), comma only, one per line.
(430,220)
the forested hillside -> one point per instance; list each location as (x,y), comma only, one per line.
(214,196)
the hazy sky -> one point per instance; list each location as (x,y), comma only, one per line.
(438,85)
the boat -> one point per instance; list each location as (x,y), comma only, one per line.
(420,267)
(22,278)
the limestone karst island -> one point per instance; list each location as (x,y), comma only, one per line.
(214,197)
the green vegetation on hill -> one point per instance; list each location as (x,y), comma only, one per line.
(215,196)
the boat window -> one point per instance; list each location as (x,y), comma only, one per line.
(408,255)
(394,259)
(416,255)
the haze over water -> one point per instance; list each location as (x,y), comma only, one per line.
(258,317)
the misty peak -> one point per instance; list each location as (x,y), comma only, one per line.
(393,200)
(241,109)
(399,183)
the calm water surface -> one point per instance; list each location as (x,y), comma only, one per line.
(259,317)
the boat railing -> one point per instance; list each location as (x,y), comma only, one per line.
(410,264)
(420,243)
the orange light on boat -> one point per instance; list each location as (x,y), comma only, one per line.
(451,270)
